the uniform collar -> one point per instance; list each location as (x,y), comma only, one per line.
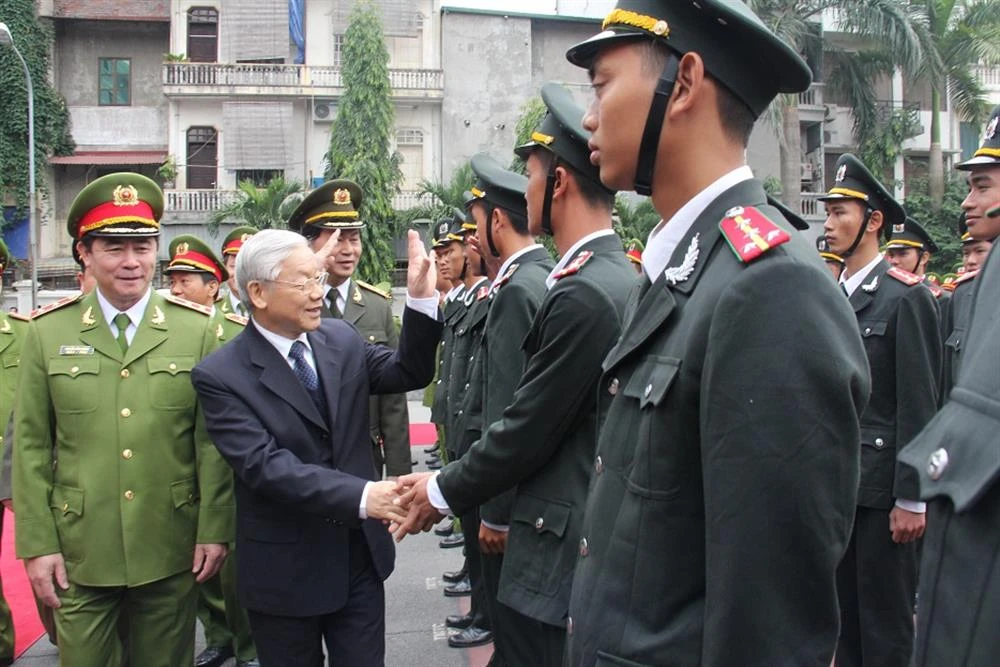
(571,253)
(666,236)
(851,284)
(510,260)
(134,313)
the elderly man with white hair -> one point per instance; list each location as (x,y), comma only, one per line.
(286,403)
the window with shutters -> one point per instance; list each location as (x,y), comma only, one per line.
(410,146)
(114,82)
(203,35)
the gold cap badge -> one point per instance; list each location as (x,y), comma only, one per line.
(341,197)
(126,195)
(182,249)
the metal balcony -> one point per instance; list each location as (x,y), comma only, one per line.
(208,201)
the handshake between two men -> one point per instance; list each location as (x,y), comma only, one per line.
(403,504)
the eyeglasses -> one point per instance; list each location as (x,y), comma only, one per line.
(317,281)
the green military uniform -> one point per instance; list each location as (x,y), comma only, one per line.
(227,629)
(955,315)
(138,482)
(898,320)
(543,444)
(336,205)
(725,476)
(13,328)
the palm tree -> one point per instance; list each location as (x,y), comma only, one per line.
(963,34)
(885,24)
(264,208)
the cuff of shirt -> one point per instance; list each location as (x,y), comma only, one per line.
(363,510)
(436,497)
(914,506)
(495,526)
(427,306)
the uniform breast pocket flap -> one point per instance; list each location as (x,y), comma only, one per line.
(184,492)
(74,384)
(170,385)
(12,360)
(954,341)
(874,328)
(652,380)
(544,516)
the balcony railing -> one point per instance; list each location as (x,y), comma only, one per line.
(810,207)
(297,77)
(812,97)
(989,77)
(207,201)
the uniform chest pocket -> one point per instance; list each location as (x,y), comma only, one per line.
(954,341)
(652,380)
(170,382)
(74,384)
(12,360)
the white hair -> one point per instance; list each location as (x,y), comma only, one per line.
(261,257)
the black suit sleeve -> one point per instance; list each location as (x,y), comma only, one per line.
(264,466)
(575,332)
(411,365)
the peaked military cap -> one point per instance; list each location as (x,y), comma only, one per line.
(463,219)
(455,232)
(189,254)
(117,205)
(561,132)
(989,152)
(739,51)
(333,205)
(497,185)
(854,181)
(634,250)
(909,234)
(823,246)
(796,220)
(963,229)
(235,239)
(5,257)
(440,234)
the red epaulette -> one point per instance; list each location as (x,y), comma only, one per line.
(239,319)
(935,290)
(966,277)
(507,276)
(188,304)
(750,233)
(19,316)
(483,292)
(904,277)
(575,265)
(56,305)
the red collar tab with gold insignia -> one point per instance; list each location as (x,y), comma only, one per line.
(904,277)
(750,233)
(966,277)
(507,276)
(483,292)
(575,265)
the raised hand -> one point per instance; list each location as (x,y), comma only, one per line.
(421,276)
(323,254)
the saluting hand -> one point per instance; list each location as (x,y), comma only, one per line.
(323,254)
(208,560)
(492,262)
(421,276)
(422,515)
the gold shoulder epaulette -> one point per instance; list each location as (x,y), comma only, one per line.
(19,316)
(904,277)
(188,304)
(56,305)
(372,288)
(239,319)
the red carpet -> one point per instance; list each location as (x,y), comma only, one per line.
(17,591)
(422,434)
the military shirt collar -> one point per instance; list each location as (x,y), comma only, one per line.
(851,284)
(134,313)
(343,289)
(234,301)
(513,258)
(666,236)
(571,253)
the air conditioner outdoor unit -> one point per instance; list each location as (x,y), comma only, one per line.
(806,171)
(324,111)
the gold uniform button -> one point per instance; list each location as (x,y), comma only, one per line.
(126,413)
(129,495)
(125,373)
(74,370)
(1,439)
(172,367)
(65,507)
(371,339)
(127,454)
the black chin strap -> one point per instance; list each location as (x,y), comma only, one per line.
(465,269)
(550,187)
(654,124)
(489,233)
(861,233)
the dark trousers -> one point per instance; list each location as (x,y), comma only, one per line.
(876,585)
(473,560)
(518,639)
(354,634)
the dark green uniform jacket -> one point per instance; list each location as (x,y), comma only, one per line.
(138,482)
(516,297)
(370,311)
(726,471)
(544,443)
(954,325)
(899,325)
(466,339)
(452,312)
(957,458)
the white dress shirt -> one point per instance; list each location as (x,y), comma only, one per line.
(235,303)
(851,285)
(134,313)
(565,259)
(342,290)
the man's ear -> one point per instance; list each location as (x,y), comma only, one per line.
(257,295)
(875,221)
(561,187)
(689,84)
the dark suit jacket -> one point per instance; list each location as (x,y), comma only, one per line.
(726,470)
(299,478)
(957,458)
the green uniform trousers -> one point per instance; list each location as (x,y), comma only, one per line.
(161,619)
(224,620)
(6,621)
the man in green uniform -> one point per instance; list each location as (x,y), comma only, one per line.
(898,319)
(196,274)
(957,458)
(229,296)
(714,521)
(544,442)
(334,208)
(139,508)
(13,327)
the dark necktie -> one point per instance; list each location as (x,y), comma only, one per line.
(122,321)
(303,371)
(334,308)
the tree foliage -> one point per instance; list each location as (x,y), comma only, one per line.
(634,219)
(883,144)
(33,38)
(361,138)
(264,208)
(531,114)
(941,224)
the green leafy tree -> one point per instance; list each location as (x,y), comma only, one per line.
(634,219)
(880,148)
(264,208)
(361,138)
(941,223)
(532,113)
(33,38)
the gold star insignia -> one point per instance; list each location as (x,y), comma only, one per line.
(341,197)
(126,195)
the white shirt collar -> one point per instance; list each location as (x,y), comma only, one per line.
(665,237)
(234,301)
(343,289)
(134,313)
(852,283)
(281,344)
(571,253)
(454,292)
(510,260)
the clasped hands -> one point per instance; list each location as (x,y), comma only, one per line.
(403,505)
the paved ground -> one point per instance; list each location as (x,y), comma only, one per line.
(415,605)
